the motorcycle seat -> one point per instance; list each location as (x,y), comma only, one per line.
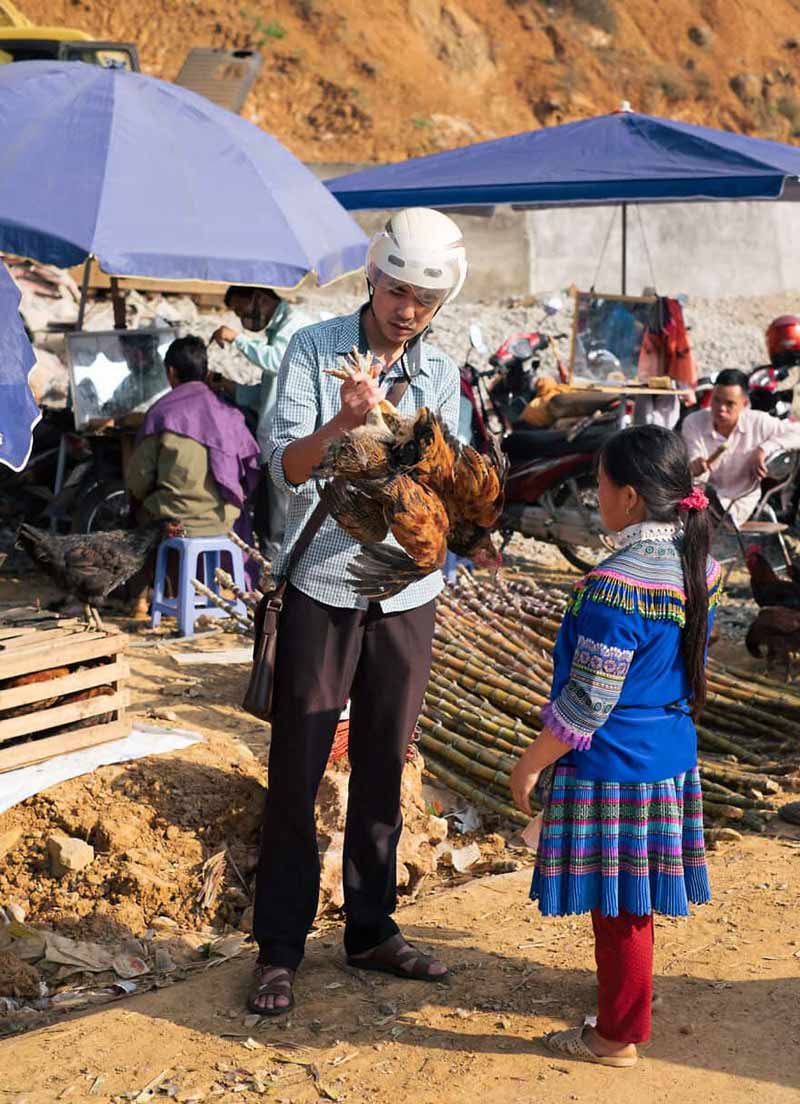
(527,443)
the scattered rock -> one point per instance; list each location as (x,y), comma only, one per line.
(15,911)
(700,35)
(747,87)
(9,840)
(17,978)
(246,920)
(68,855)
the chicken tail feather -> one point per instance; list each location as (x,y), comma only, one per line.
(381,571)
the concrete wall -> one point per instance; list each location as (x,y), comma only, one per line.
(707,249)
(713,250)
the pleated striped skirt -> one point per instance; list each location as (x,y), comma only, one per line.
(636,846)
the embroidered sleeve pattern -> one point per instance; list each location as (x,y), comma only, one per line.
(591,692)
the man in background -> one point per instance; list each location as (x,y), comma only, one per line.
(729,444)
(272,322)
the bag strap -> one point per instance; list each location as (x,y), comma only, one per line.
(314,523)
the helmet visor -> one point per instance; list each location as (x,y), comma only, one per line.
(426,297)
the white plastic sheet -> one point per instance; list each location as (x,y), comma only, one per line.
(143,740)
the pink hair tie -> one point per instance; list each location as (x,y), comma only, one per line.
(695,501)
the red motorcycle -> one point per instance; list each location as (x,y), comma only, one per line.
(551,491)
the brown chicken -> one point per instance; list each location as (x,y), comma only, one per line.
(426,526)
(358,507)
(427,451)
(365,452)
(778,630)
(767,587)
(410,477)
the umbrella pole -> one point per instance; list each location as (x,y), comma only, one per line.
(624,248)
(118,302)
(87,269)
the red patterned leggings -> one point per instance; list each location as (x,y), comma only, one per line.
(623,948)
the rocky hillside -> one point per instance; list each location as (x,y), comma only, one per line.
(351,80)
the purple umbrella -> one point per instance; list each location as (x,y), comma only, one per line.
(18,410)
(154,180)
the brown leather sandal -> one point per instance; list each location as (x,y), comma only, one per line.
(271,981)
(399,958)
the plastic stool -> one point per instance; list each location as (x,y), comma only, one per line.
(189,604)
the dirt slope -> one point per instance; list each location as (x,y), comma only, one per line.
(352,80)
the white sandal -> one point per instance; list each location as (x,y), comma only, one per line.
(571,1044)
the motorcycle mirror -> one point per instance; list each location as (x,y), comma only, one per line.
(476,338)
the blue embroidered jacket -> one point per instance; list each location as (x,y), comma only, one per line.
(620,694)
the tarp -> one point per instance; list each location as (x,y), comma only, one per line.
(619,158)
(155,180)
(18,410)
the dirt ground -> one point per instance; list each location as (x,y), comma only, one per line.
(727,1015)
(726,1023)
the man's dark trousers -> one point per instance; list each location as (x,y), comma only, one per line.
(326,654)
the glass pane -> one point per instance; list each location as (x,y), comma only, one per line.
(608,338)
(116,373)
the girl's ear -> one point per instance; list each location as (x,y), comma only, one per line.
(632,499)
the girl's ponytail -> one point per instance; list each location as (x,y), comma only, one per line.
(696,541)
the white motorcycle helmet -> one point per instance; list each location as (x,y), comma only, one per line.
(421,248)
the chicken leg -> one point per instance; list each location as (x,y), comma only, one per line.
(94,622)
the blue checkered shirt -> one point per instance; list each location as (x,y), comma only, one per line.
(306,400)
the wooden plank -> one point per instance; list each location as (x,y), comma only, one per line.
(50,638)
(68,684)
(11,631)
(27,661)
(61,715)
(32,639)
(36,751)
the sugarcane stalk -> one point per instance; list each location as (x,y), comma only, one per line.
(459,785)
(479,734)
(434,740)
(488,757)
(223,604)
(245,596)
(497,647)
(721,812)
(519,736)
(709,739)
(521,675)
(462,659)
(263,563)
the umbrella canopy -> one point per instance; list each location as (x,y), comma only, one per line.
(18,410)
(621,158)
(154,180)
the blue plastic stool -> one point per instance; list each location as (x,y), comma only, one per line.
(189,604)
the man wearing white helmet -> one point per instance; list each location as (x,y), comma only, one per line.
(332,644)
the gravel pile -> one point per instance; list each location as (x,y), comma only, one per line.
(725,333)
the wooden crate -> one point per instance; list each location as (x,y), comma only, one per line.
(41,719)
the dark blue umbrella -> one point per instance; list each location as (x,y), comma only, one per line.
(154,180)
(620,158)
(18,410)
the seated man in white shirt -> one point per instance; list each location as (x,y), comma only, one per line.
(729,444)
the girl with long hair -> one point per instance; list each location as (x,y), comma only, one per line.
(622,827)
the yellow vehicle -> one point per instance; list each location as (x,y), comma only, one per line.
(22,40)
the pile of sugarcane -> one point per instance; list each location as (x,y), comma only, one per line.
(491,674)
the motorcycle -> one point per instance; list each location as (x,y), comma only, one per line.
(551,489)
(771,389)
